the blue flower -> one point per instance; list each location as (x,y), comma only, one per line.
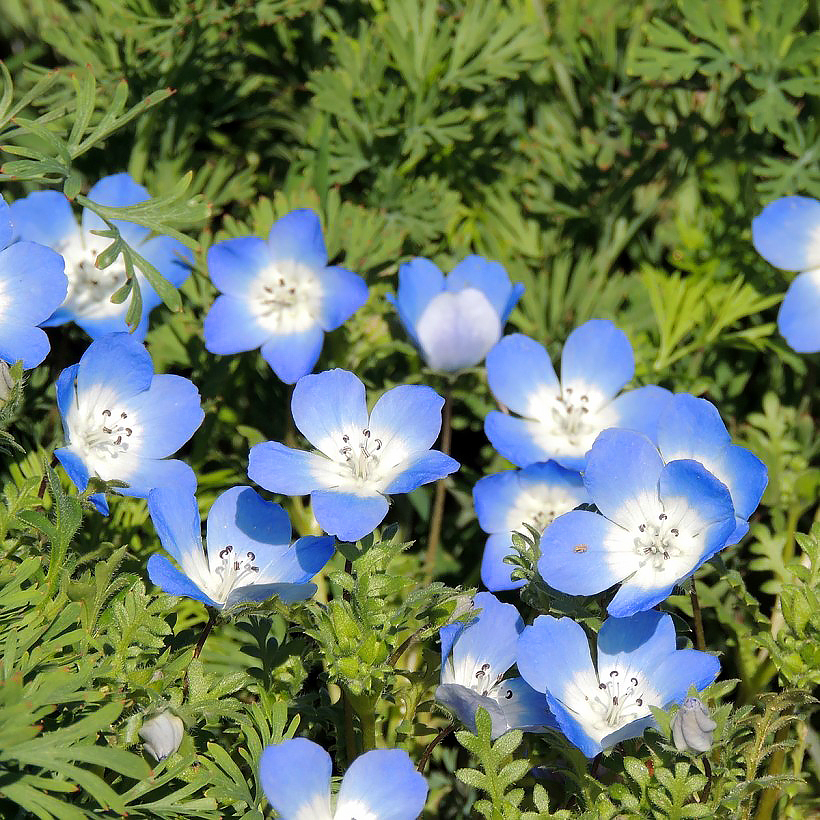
(361,459)
(249,556)
(638,666)
(474,659)
(659,524)
(381,784)
(504,502)
(280,295)
(692,428)
(787,235)
(46,217)
(454,320)
(121,421)
(32,285)
(562,419)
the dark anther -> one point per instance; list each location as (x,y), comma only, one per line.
(123,415)
(378,444)
(568,391)
(584,398)
(236,565)
(252,557)
(642,528)
(106,429)
(106,412)
(663,517)
(602,686)
(639,701)
(366,433)
(666,555)
(479,673)
(118,440)
(633,681)
(509,694)
(613,673)
(229,548)
(674,531)
(128,431)
(346,438)
(615,700)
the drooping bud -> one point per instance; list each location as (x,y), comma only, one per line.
(692,727)
(162,735)
(6,381)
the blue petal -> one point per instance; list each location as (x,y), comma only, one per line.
(170,257)
(515,295)
(295,777)
(464,702)
(597,354)
(572,729)
(326,405)
(640,642)
(45,217)
(523,707)
(347,516)
(286,592)
(516,439)
(634,729)
(407,416)
(518,368)
(32,283)
(552,653)
(621,475)
(419,281)
(22,341)
(798,314)
(494,496)
(487,276)
(117,190)
(640,409)
(382,784)
(176,520)
(171,580)
(150,473)
(422,469)
(116,362)
(65,393)
(495,574)
(6,227)
(293,355)
(284,470)
(298,236)
(785,234)
(673,676)
(632,598)
(306,557)
(231,327)
(691,482)
(689,427)
(580,555)
(74,467)
(343,293)
(169,413)
(746,477)
(235,264)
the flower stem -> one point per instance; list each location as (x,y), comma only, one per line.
(203,636)
(700,639)
(437,514)
(350,732)
(432,745)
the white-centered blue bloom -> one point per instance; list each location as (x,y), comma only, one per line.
(362,458)
(787,235)
(561,419)
(32,285)
(249,555)
(504,502)
(691,428)
(381,784)
(454,320)
(475,657)
(638,666)
(47,217)
(659,523)
(280,295)
(121,421)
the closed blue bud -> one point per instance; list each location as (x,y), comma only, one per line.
(692,727)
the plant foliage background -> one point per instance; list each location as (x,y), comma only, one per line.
(611,156)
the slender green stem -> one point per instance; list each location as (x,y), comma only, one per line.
(350,732)
(437,514)
(768,801)
(203,636)
(432,745)
(700,639)
(707,768)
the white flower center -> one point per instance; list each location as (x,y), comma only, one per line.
(657,542)
(231,569)
(90,288)
(485,682)
(101,434)
(571,415)
(286,297)
(619,700)
(362,456)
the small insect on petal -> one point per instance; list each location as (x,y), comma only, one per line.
(578,548)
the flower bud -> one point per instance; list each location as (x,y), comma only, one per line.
(6,382)
(692,728)
(162,735)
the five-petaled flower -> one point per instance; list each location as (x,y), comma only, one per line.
(249,555)
(280,295)
(32,285)
(361,459)
(46,217)
(787,235)
(475,656)
(638,666)
(381,784)
(454,320)
(561,419)
(659,523)
(505,501)
(121,421)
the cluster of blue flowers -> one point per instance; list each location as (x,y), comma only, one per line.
(630,489)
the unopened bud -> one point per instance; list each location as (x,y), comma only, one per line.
(692,727)
(162,735)
(6,381)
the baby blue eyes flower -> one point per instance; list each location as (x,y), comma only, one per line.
(249,556)
(381,784)
(32,285)
(659,523)
(504,502)
(787,235)
(474,659)
(121,421)
(280,295)
(362,459)
(454,320)
(46,217)
(637,667)
(561,419)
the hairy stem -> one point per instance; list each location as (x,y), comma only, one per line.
(432,745)
(437,513)
(203,636)
(700,639)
